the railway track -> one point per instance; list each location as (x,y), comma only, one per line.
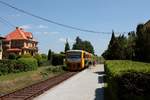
(28,93)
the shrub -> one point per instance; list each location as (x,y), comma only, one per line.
(127,80)
(28,63)
(26,56)
(44,56)
(57,59)
(42,60)
(133,85)
(7,66)
(15,66)
(12,56)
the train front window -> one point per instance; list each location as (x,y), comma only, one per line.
(74,55)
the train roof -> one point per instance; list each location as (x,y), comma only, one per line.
(78,51)
(74,50)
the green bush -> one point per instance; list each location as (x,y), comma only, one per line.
(134,86)
(12,56)
(28,63)
(127,80)
(7,66)
(57,59)
(26,56)
(15,66)
(42,60)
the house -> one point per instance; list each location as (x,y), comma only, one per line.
(20,43)
(1,49)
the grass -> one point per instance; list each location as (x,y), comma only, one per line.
(15,81)
(119,67)
(119,70)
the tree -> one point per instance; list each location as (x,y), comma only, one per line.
(110,52)
(67,47)
(136,46)
(116,48)
(49,55)
(139,50)
(112,39)
(44,56)
(83,45)
(87,46)
(130,48)
(78,44)
(143,42)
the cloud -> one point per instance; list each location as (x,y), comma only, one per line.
(27,26)
(15,15)
(64,40)
(42,26)
(47,33)
(10,16)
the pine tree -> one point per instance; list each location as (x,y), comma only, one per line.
(49,55)
(67,47)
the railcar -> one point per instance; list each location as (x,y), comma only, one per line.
(78,59)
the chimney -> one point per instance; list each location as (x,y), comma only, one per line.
(17,28)
(21,29)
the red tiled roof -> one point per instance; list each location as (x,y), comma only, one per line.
(14,49)
(2,37)
(28,34)
(18,34)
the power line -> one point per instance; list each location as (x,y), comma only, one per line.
(4,21)
(50,21)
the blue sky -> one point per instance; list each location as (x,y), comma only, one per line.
(97,15)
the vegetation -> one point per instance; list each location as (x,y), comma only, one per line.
(23,70)
(58,59)
(28,63)
(83,45)
(127,80)
(26,56)
(49,55)
(56,69)
(67,47)
(42,59)
(20,65)
(23,79)
(121,47)
(12,56)
(135,46)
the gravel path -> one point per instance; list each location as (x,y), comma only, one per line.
(87,85)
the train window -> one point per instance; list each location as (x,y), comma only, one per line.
(73,55)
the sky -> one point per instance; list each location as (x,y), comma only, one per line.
(98,15)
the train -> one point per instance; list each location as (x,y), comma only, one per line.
(77,60)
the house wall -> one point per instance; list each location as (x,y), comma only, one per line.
(29,44)
(17,44)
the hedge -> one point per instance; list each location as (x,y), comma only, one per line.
(20,65)
(127,80)
(42,60)
(58,59)
(28,63)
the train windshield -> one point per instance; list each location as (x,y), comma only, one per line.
(74,55)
